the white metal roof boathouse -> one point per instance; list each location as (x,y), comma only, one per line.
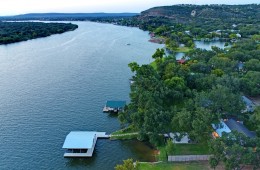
(81,143)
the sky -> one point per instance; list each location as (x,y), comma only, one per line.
(14,7)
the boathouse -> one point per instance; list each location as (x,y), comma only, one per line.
(80,144)
(114,106)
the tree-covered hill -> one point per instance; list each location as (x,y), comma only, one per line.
(11,32)
(66,16)
(207,18)
(190,12)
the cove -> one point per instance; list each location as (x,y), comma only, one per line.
(51,86)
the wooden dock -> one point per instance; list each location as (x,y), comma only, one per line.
(113,106)
(102,135)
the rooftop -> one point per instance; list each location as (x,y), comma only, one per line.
(79,140)
(115,104)
(249,104)
(247,100)
(234,125)
(220,128)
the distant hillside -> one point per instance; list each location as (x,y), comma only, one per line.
(66,16)
(186,13)
(207,17)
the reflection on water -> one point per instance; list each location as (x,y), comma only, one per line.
(144,151)
(208,45)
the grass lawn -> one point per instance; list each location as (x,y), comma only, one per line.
(175,166)
(192,149)
(126,133)
(163,154)
(184,149)
(125,137)
(153,64)
(183,49)
(129,129)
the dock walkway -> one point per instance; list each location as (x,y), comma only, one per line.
(102,135)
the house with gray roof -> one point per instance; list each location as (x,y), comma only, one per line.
(230,125)
(239,127)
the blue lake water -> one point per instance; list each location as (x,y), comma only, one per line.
(51,86)
(208,45)
(203,45)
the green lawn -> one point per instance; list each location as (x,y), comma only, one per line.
(129,129)
(125,137)
(192,149)
(174,166)
(183,49)
(124,132)
(153,64)
(185,149)
(163,155)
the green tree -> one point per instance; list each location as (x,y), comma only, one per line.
(252,65)
(216,101)
(235,150)
(232,36)
(128,164)
(170,147)
(133,66)
(217,72)
(250,83)
(255,119)
(159,53)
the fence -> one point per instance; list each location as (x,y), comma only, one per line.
(187,158)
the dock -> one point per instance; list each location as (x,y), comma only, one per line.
(82,143)
(102,135)
(113,106)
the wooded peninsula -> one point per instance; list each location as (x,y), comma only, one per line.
(206,92)
(11,32)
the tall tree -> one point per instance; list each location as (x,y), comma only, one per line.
(235,150)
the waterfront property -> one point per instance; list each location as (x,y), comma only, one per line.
(219,129)
(114,106)
(178,138)
(250,106)
(231,125)
(81,143)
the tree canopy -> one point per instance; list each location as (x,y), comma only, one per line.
(11,32)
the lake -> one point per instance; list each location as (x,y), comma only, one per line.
(51,86)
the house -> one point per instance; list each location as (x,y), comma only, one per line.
(114,106)
(239,126)
(219,129)
(238,35)
(187,32)
(230,125)
(240,66)
(250,106)
(178,138)
(181,61)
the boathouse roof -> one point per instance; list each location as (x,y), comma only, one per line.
(115,104)
(79,140)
